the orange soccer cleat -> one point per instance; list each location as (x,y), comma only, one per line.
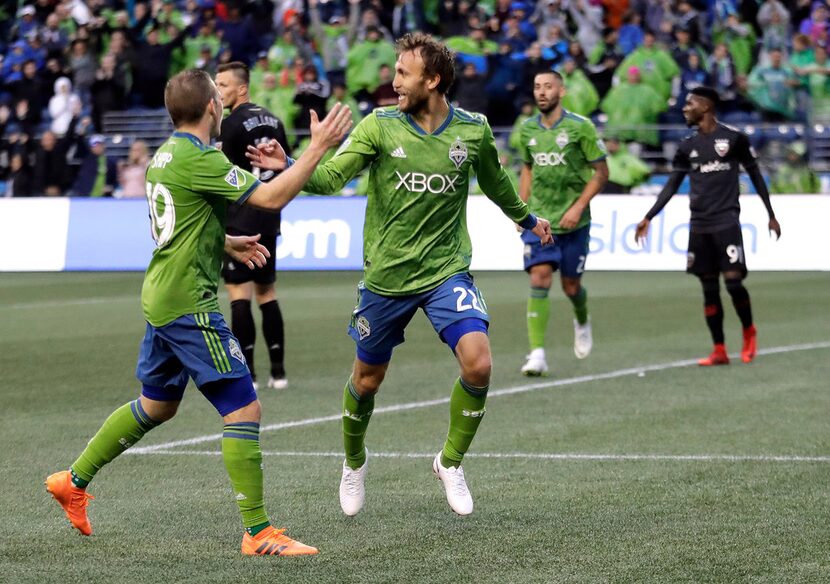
(718,357)
(750,347)
(274,542)
(71,498)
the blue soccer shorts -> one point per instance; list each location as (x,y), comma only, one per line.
(378,322)
(200,347)
(567,253)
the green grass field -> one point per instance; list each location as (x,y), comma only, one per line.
(699,475)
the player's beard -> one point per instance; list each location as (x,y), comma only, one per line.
(416,102)
(552,105)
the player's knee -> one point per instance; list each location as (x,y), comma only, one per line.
(571,287)
(159,411)
(367,383)
(476,370)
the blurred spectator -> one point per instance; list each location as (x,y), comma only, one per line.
(624,169)
(364,61)
(51,171)
(692,21)
(63,106)
(384,94)
(527,109)
(473,49)
(771,88)
(502,87)
(200,50)
(683,46)
(604,61)
(83,68)
(816,26)
(340,95)
(469,91)
(794,174)
(692,75)
(131,172)
(22,116)
(332,39)
(311,94)
(818,81)
(97,175)
(55,39)
(614,10)
(630,33)
(581,96)
(152,63)
(534,62)
(26,22)
(20,181)
(588,18)
(369,25)
(723,74)
(31,88)
(239,34)
(549,12)
(276,98)
(108,92)
(775,28)
(455,16)
(285,49)
(553,42)
(656,66)
(407,16)
(740,38)
(633,104)
(515,33)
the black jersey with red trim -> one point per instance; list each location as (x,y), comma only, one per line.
(713,163)
(251,124)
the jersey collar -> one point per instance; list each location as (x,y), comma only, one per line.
(559,121)
(438,130)
(196,142)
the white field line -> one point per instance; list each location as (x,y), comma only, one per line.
(535,456)
(493,393)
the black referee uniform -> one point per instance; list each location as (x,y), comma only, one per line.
(250,124)
(712,162)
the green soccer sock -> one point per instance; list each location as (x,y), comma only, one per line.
(580,302)
(356,414)
(243,461)
(538,313)
(466,411)
(122,429)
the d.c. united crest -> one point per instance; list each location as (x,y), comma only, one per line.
(722,147)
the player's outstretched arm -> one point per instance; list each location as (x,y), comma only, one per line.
(325,134)
(247,250)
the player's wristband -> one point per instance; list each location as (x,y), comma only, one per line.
(289,162)
(528,222)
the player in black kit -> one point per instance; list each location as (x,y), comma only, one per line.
(711,157)
(249,124)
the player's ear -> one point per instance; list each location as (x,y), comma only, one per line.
(433,82)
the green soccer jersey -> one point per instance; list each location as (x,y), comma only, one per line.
(189,186)
(561,158)
(415,234)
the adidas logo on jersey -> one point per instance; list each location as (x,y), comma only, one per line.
(398,153)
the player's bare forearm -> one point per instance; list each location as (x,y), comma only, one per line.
(594,185)
(525,181)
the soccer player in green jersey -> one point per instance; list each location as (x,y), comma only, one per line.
(189,187)
(564,168)
(417,250)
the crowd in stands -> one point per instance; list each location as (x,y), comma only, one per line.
(627,63)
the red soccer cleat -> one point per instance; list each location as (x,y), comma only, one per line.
(750,347)
(718,357)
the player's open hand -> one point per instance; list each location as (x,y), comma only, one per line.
(329,132)
(775,228)
(641,233)
(247,250)
(571,217)
(542,230)
(267,156)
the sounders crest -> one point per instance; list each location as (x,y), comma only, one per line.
(562,139)
(458,152)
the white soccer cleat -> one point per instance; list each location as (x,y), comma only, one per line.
(583,339)
(535,364)
(352,488)
(458,495)
(277,383)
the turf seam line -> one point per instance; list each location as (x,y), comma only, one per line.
(492,394)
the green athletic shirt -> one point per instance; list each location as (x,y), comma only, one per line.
(415,234)
(189,186)
(561,158)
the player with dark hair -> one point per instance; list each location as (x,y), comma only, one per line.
(417,250)
(189,186)
(711,157)
(250,124)
(564,168)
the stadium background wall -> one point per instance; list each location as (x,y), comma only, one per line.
(43,234)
